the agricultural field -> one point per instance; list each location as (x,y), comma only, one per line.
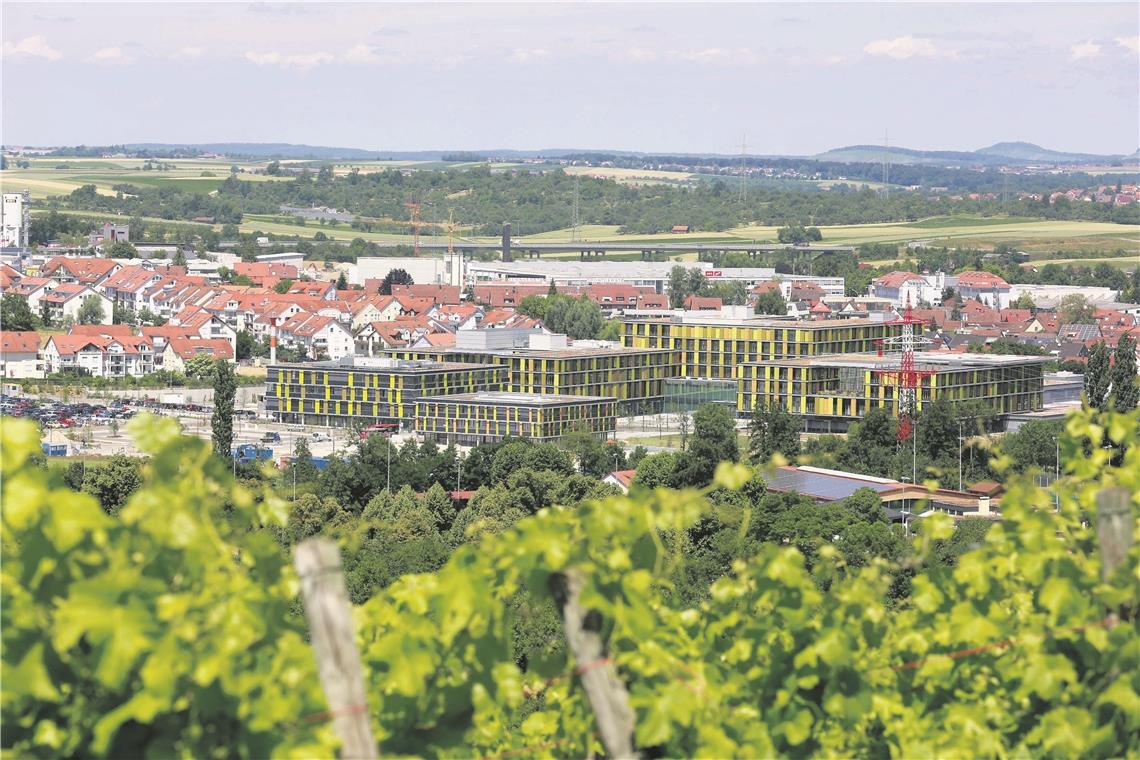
(59,176)
(630,176)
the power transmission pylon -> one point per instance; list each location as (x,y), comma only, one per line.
(574,233)
(886,164)
(743,169)
(414,206)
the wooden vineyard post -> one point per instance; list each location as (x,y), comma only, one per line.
(334,643)
(606,692)
(1113,527)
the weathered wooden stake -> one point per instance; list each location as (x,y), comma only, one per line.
(334,643)
(608,697)
(1113,527)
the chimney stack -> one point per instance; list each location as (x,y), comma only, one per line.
(507,242)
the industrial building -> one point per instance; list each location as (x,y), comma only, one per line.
(469,419)
(548,364)
(713,347)
(367,388)
(830,392)
(15,215)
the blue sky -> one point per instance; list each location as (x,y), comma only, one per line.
(792,78)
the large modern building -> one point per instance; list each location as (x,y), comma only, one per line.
(370,389)
(468,419)
(713,347)
(548,364)
(830,392)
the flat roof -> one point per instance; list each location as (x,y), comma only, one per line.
(507,398)
(541,353)
(386,364)
(936,360)
(698,319)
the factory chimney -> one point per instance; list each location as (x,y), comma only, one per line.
(507,242)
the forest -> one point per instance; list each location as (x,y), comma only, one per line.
(543,201)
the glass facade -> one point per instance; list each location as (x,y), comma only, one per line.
(684,394)
(716,350)
(334,394)
(831,393)
(468,420)
(635,379)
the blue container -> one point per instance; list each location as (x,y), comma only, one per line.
(55,449)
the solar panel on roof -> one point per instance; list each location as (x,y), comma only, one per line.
(817,485)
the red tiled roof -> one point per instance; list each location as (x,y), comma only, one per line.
(625,477)
(896,279)
(984,280)
(19,342)
(110,331)
(219,348)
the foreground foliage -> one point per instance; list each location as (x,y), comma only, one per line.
(164,631)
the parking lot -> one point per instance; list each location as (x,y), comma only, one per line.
(99,428)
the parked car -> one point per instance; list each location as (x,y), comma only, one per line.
(271,438)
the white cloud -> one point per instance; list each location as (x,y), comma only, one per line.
(289,61)
(112,56)
(1087,49)
(364,54)
(641,55)
(526,56)
(31,47)
(902,48)
(1132,43)
(833,60)
(718,56)
(189,51)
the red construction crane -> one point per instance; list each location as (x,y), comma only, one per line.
(905,374)
(414,206)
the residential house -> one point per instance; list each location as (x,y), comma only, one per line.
(32,290)
(265,274)
(904,288)
(177,351)
(442,294)
(88,270)
(326,291)
(702,303)
(205,325)
(20,354)
(374,309)
(458,316)
(985,287)
(99,355)
(622,479)
(65,301)
(316,336)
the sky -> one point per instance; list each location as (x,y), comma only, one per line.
(792,79)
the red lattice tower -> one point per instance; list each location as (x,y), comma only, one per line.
(906,375)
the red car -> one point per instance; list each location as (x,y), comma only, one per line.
(379,427)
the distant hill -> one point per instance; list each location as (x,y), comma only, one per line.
(998,154)
(326,153)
